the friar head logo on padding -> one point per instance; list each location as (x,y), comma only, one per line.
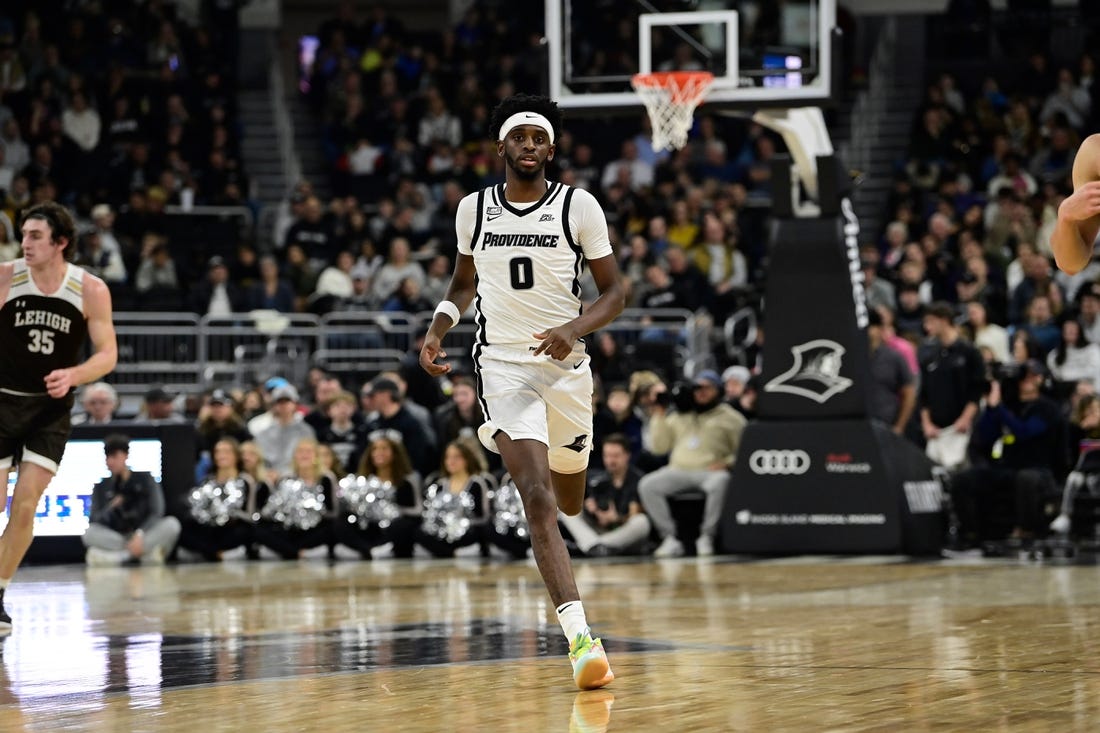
(815,373)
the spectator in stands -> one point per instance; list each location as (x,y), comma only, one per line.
(615,415)
(1074,359)
(612,522)
(1023,470)
(272,292)
(127,521)
(100,261)
(343,429)
(893,394)
(219,419)
(300,273)
(951,387)
(160,407)
(277,441)
(81,124)
(1068,100)
(313,232)
(334,283)
(701,439)
(391,413)
(688,281)
(157,272)
(734,379)
(461,416)
(986,335)
(100,400)
(1040,324)
(1090,313)
(398,267)
(217,295)
(629,170)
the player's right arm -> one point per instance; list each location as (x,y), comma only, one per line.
(461,291)
(1079,214)
(7,269)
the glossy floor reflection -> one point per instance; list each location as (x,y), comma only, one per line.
(858,644)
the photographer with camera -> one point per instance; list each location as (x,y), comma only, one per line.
(701,436)
(127,521)
(612,522)
(1021,433)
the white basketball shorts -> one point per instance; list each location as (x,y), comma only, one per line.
(538,398)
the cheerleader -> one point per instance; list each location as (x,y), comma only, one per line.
(298,513)
(456,502)
(386,462)
(226,523)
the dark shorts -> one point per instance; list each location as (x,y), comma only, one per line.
(34,429)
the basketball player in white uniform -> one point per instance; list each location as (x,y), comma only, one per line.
(48,308)
(1079,214)
(521,247)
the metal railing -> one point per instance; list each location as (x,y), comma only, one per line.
(188,353)
(870,106)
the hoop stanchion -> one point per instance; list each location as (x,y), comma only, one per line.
(670,98)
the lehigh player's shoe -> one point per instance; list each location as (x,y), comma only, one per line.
(5,619)
(590,666)
(591,711)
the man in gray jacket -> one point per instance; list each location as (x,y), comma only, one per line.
(288,426)
(701,438)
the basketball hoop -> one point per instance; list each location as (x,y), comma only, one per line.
(671,97)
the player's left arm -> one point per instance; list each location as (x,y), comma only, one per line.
(592,234)
(101,331)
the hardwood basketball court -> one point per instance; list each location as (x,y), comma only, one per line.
(845,644)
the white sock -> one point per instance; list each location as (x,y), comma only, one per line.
(4,583)
(572,620)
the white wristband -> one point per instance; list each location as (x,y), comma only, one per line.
(448,309)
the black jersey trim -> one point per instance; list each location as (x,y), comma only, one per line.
(478,219)
(538,204)
(561,187)
(578,252)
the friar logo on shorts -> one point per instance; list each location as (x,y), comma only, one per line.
(492,212)
(578,443)
(815,373)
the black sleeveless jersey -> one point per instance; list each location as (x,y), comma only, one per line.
(38,332)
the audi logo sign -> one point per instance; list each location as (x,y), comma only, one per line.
(779,462)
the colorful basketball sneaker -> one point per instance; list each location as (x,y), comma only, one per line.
(590,666)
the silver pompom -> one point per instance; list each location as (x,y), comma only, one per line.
(508,515)
(217,503)
(447,515)
(367,500)
(295,504)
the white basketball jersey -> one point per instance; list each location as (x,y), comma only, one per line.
(529,259)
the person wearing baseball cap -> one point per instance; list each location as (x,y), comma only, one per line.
(701,444)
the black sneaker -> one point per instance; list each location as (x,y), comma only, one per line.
(5,619)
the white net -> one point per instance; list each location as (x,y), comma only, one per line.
(670,99)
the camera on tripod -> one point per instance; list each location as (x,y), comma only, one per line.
(679,396)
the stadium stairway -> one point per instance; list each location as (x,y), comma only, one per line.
(875,130)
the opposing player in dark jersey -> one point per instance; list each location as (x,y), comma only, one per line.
(521,247)
(48,308)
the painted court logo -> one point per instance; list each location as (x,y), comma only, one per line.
(815,373)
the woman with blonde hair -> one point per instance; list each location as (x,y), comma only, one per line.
(298,514)
(221,505)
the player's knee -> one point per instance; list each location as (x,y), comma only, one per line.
(22,510)
(539,502)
